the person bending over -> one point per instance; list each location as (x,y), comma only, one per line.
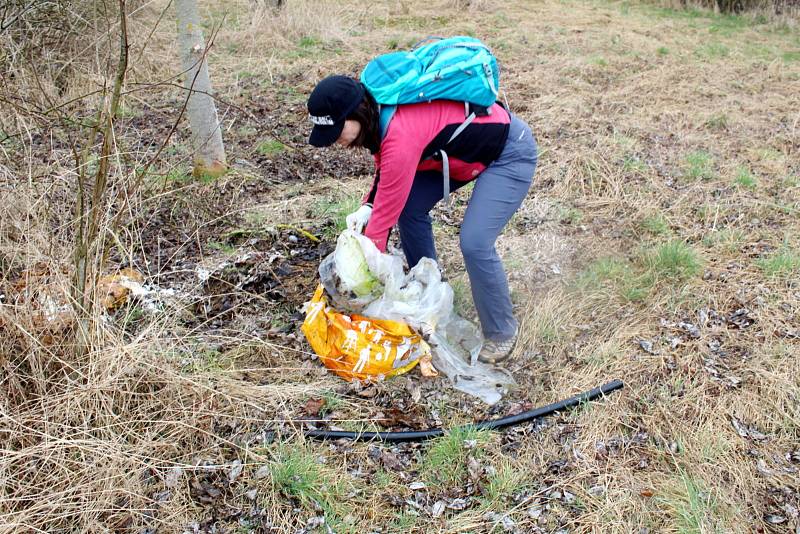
(496,150)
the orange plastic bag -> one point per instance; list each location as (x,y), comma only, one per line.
(359,347)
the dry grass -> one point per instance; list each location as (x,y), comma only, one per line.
(660,132)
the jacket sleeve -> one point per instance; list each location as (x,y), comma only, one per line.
(410,131)
(398,165)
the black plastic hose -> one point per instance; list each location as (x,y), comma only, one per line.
(418,435)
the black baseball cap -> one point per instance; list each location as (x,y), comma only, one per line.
(331,101)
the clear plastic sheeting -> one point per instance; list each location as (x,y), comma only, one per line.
(360,279)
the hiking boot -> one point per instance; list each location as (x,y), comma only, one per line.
(498,351)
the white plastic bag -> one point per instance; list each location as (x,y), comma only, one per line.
(364,280)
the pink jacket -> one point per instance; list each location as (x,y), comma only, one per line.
(414,133)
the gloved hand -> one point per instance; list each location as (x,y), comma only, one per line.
(358,220)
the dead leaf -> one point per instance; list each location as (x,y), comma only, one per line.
(647,346)
(368,393)
(761,467)
(775,519)
(314,406)
(235,471)
(262,472)
(426,367)
(690,329)
(172,478)
(437,509)
(741,318)
(394,416)
(597,491)
(520,407)
(414,390)
(746,431)
(474,468)
(390,461)
(458,504)
(647,493)
(112,290)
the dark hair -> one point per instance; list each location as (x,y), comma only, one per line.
(367,116)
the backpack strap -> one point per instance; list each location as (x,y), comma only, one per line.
(446,160)
(385,114)
(467,121)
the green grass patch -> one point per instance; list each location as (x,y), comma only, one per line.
(603,270)
(674,260)
(179,175)
(662,51)
(790,56)
(133,314)
(382,479)
(632,164)
(769,154)
(615,276)
(296,473)
(310,46)
(462,298)
(745,179)
(403,522)
(309,42)
(226,248)
(127,112)
(332,402)
(208,361)
(445,462)
(702,213)
(655,224)
(636,288)
(713,51)
(698,165)
(717,121)
(270,148)
(412,22)
(599,61)
(718,23)
(569,215)
(728,239)
(335,210)
(728,25)
(694,509)
(625,142)
(506,481)
(781,264)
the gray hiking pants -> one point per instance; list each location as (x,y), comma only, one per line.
(498,193)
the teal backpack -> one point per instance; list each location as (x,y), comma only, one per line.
(457,68)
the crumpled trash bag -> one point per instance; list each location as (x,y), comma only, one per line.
(360,279)
(362,348)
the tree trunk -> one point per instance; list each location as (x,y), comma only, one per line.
(209,153)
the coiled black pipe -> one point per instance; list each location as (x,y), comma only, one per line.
(419,435)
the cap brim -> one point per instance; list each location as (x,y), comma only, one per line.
(325,135)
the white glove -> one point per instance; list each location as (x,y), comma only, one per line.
(358,220)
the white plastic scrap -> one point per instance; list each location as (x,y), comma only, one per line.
(151,297)
(359,278)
